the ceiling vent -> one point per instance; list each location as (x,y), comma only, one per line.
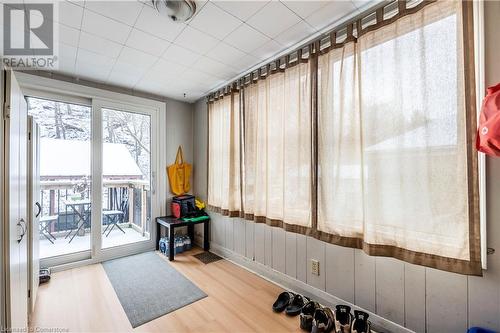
(177,10)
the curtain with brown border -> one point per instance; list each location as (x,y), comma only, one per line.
(366,141)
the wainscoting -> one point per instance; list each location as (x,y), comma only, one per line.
(418,298)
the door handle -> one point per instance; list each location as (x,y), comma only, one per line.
(22,225)
(39,209)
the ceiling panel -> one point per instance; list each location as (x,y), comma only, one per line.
(68,35)
(296,33)
(267,50)
(331,13)
(93,66)
(226,54)
(195,40)
(241,9)
(215,21)
(69,14)
(105,27)
(137,58)
(99,45)
(246,38)
(273,19)
(67,59)
(125,74)
(305,8)
(214,68)
(146,42)
(123,11)
(180,55)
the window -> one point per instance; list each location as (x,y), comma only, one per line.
(391,125)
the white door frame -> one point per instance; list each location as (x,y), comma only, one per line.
(69,92)
(98,252)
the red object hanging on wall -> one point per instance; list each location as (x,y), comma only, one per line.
(488,133)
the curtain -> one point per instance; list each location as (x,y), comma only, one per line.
(367,143)
(277,149)
(224,194)
(392,152)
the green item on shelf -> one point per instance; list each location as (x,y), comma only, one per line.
(196,219)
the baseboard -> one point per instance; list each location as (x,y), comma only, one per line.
(286,282)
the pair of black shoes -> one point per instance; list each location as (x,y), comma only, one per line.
(317,319)
(289,302)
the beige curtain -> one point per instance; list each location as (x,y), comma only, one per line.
(392,147)
(277,153)
(224,194)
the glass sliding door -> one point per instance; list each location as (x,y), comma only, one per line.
(65,176)
(126,177)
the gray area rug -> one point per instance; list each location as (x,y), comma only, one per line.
(149,287)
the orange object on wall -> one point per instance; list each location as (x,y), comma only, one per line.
(179,174)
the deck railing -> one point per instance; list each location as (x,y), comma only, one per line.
(131,197)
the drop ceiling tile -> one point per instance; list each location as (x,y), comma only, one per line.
(273,19)
(105,27)
(136,58)
(69,14)
(225,53)
(195,40)
(214,68)
(214,21)
(78,2)
(68,35)
(180,55)
(93,66)
(198,76)
(334,11)
(123,11)
(152,87)
(241,9)
(92,58)
(124,74)
(295,34)
(246,38)
(99,45)
(245,62)
(66,59)
(147,43)
(267,50)
(152,22)
(165,71)
(305,8)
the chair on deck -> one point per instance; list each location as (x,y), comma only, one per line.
(112,217)
(45,224)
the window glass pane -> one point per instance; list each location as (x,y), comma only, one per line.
(126,216)
(65,175)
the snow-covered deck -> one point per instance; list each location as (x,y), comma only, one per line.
(62,246)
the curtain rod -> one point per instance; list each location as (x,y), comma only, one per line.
(394,9)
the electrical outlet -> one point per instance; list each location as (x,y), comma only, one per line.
(314,267)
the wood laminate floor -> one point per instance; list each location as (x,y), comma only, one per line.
(83,300)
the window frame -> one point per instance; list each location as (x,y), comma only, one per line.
(62,91)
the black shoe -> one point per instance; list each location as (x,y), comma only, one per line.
(343,319)
(284,299)
(294,308)
(306,315)
(360,324)
(323,321)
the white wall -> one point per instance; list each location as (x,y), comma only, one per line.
(421,299)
